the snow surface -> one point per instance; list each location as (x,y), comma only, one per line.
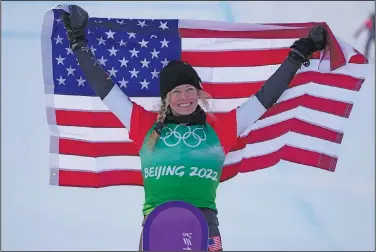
(282,208)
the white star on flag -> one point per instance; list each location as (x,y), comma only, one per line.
(164,62)
(134,52)
(154,74)
(69,50)
(60,60)
(92,49)
(142,24)
(123,62)
(164,43)
(112,72)
(134,73)
(143,43)
(102,61)
(80,81)
(163,25)
(101,41)
(154,53)
(61,80)
(121,43)
(123,83)
(58,39)
(110,34)
(131,35)
(145,63)
(144,84)
(70,70)
(112,51)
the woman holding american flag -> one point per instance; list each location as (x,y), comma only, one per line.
(182,147)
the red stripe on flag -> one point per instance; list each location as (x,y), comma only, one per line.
(100,179)
(96,149)
(244,90)
(333,80)
(358,58)
(109,120)
(287,153)
(307,24)
(241,58)
(87,119)
(292,125)
(128,177)
(103,149)
(259,34)
(232,90)
(338,108)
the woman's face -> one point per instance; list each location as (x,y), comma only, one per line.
(183,99)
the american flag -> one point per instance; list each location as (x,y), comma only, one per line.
(215,243)
(89,147)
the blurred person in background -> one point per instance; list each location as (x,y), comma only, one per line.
(369,26)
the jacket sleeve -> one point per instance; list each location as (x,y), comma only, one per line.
(273,88)
(109,93)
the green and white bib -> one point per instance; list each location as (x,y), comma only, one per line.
(188,161)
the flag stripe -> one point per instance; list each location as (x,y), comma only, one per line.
(308,101)
(308,82)
(292,125)
(73,162)
(262,73)
(287,153)
(245,89)
(358,58)
(227,26)
(241,58)
(291,139)
(261,34)
(79,178)
(109,120)
(97,180)
(120,134)
(226,44)
(96,149)
(103,149)
(96,164)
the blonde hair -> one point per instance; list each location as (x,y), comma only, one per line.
(203,99)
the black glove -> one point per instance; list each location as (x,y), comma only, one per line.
(303,48)
(75,23)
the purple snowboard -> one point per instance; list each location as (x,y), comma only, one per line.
(175,225)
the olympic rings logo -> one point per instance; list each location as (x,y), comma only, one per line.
(191,138)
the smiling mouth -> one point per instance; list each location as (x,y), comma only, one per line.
(185,104)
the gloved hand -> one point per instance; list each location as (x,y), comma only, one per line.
(303,48)
(75,23)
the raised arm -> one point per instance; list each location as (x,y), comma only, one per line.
(256,106)
(111,94)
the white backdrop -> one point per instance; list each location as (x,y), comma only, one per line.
(285,207)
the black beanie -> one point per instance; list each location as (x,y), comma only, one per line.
(176,73)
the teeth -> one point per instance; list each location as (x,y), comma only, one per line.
(184,105)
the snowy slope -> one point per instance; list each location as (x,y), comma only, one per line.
(286,207)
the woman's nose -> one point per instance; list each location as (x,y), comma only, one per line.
(183,95)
